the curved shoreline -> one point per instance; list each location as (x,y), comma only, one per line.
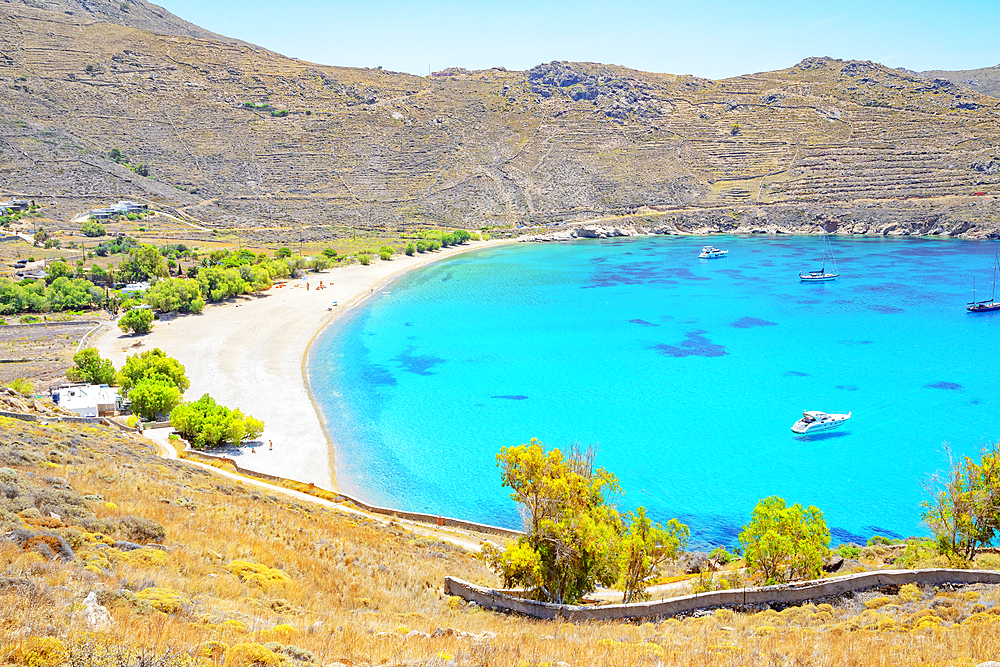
(252,353)
(356,302)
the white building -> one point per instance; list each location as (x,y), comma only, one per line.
(88,400)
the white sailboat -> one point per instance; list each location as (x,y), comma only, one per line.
(990,306)
(822,275)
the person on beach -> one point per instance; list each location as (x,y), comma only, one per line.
(270,445)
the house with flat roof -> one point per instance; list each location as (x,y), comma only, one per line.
(88,400)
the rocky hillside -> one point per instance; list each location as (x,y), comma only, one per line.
(234,136)
(985,80)
(135,13)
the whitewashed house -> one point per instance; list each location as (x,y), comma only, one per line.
(88,400)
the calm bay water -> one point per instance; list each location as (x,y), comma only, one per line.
(686,375)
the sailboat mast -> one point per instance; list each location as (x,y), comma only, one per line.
(993,294)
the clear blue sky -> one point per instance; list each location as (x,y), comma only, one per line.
(710,38)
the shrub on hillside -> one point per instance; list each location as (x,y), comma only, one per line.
(142,530)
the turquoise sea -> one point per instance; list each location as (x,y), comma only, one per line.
(685,374)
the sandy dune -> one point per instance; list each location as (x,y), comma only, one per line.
(250,354)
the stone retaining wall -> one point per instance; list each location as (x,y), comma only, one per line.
(67,419)
(785,595)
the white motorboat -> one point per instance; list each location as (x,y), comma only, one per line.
(813,421)
(711,252)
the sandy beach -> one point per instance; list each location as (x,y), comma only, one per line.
(250,353)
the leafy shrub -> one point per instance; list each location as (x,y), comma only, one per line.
(878,539)
(722,556)
(142,530)
(166,600)
(153,397)
(251,655)
(137,320)
(92,229)
(782,543)
(152,364)
(385,255)
(365,259)
(410,249)
(849,551)
(258,574)
(204,423)
(22,386)
(182,295)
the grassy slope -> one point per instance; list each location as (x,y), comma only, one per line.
(359,592)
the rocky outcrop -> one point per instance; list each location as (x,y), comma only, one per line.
(881,220)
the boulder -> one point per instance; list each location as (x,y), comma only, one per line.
(833,563)
(696,562)
(95,615)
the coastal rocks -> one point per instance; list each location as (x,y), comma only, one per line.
(584,232)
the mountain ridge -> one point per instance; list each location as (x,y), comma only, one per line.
(238,137)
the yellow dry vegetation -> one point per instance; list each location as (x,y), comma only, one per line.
(359,591)
(258,574)
(166,600)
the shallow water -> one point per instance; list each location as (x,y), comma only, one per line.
(686,374)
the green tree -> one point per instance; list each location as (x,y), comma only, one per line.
(330,253)
(67,294)
(137,320)
(218,283)
(152,364)
(27,296)
(143,263)
(58,269)
(91,368)
(782,543)
(644,547)
(153,397)
(964,506)
(205,423)
(180,294)
(571,529)
(410,249)
(282,253)
(93,229)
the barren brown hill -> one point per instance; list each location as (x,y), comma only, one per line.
(561,142)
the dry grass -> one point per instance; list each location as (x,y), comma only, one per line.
(249,578)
